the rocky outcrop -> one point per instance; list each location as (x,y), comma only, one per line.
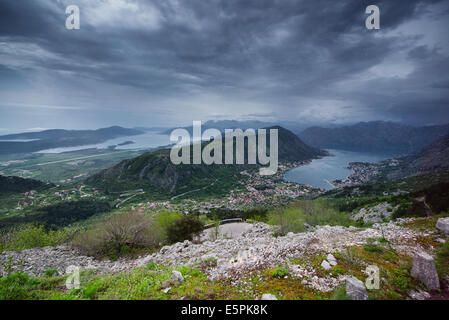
(355,289)
(443,226)
(329,262)
(425,271)
(36,261)
(254,249)
(379,213)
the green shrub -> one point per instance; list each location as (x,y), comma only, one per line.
(437,197)
(313,212)
(51,272)
(280,272)
(288,220)
(319,212)
(209,263)
(372,247)
(118,234)
(401,279)
(184,229)
(403,209)
(31,236)
(442,260)
(90,290)
(152,266)
(339,293)
(15,286)
(165,218)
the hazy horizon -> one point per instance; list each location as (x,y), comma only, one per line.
(5,131)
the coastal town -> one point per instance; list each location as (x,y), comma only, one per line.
(364,172)
(253,191)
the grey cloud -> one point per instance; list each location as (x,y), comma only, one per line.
(286,56)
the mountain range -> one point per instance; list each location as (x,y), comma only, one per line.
(375,136)
(57,138)
(221,125)
(432,158)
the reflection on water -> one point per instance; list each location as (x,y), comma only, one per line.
(320,171)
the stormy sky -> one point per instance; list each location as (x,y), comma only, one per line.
(168,62)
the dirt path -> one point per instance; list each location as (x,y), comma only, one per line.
(228,231)
(183,194)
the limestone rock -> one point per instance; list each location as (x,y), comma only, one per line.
(375,214)
(166,290)
(176,276)
(419,295)
(355,289)
(331,259)
(325,265)
(268,296)
(443,226)
(424,270)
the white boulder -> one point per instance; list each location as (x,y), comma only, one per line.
(443,226)
(355,289)
(176,276)
(268,296)
(424,270)
(325,265)
(331,259)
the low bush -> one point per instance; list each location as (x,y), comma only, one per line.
(319,212)
(313,212)
(51,272)
(165,218)
(372,247)
(15,286)
(184,228)
(119,234)
(31,236)
(287,220)
(339,293)
(207,263)
(90,290)
(404,208)
(442,260)
(280,272)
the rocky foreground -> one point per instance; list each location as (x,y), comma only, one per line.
(254,249)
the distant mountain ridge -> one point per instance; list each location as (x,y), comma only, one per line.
(432,158)
(155,169)
(56,138)
(376,136)
(221,125)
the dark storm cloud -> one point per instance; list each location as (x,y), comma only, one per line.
(310,60)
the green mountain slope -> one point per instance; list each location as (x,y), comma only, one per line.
(17,184)
(154,170)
